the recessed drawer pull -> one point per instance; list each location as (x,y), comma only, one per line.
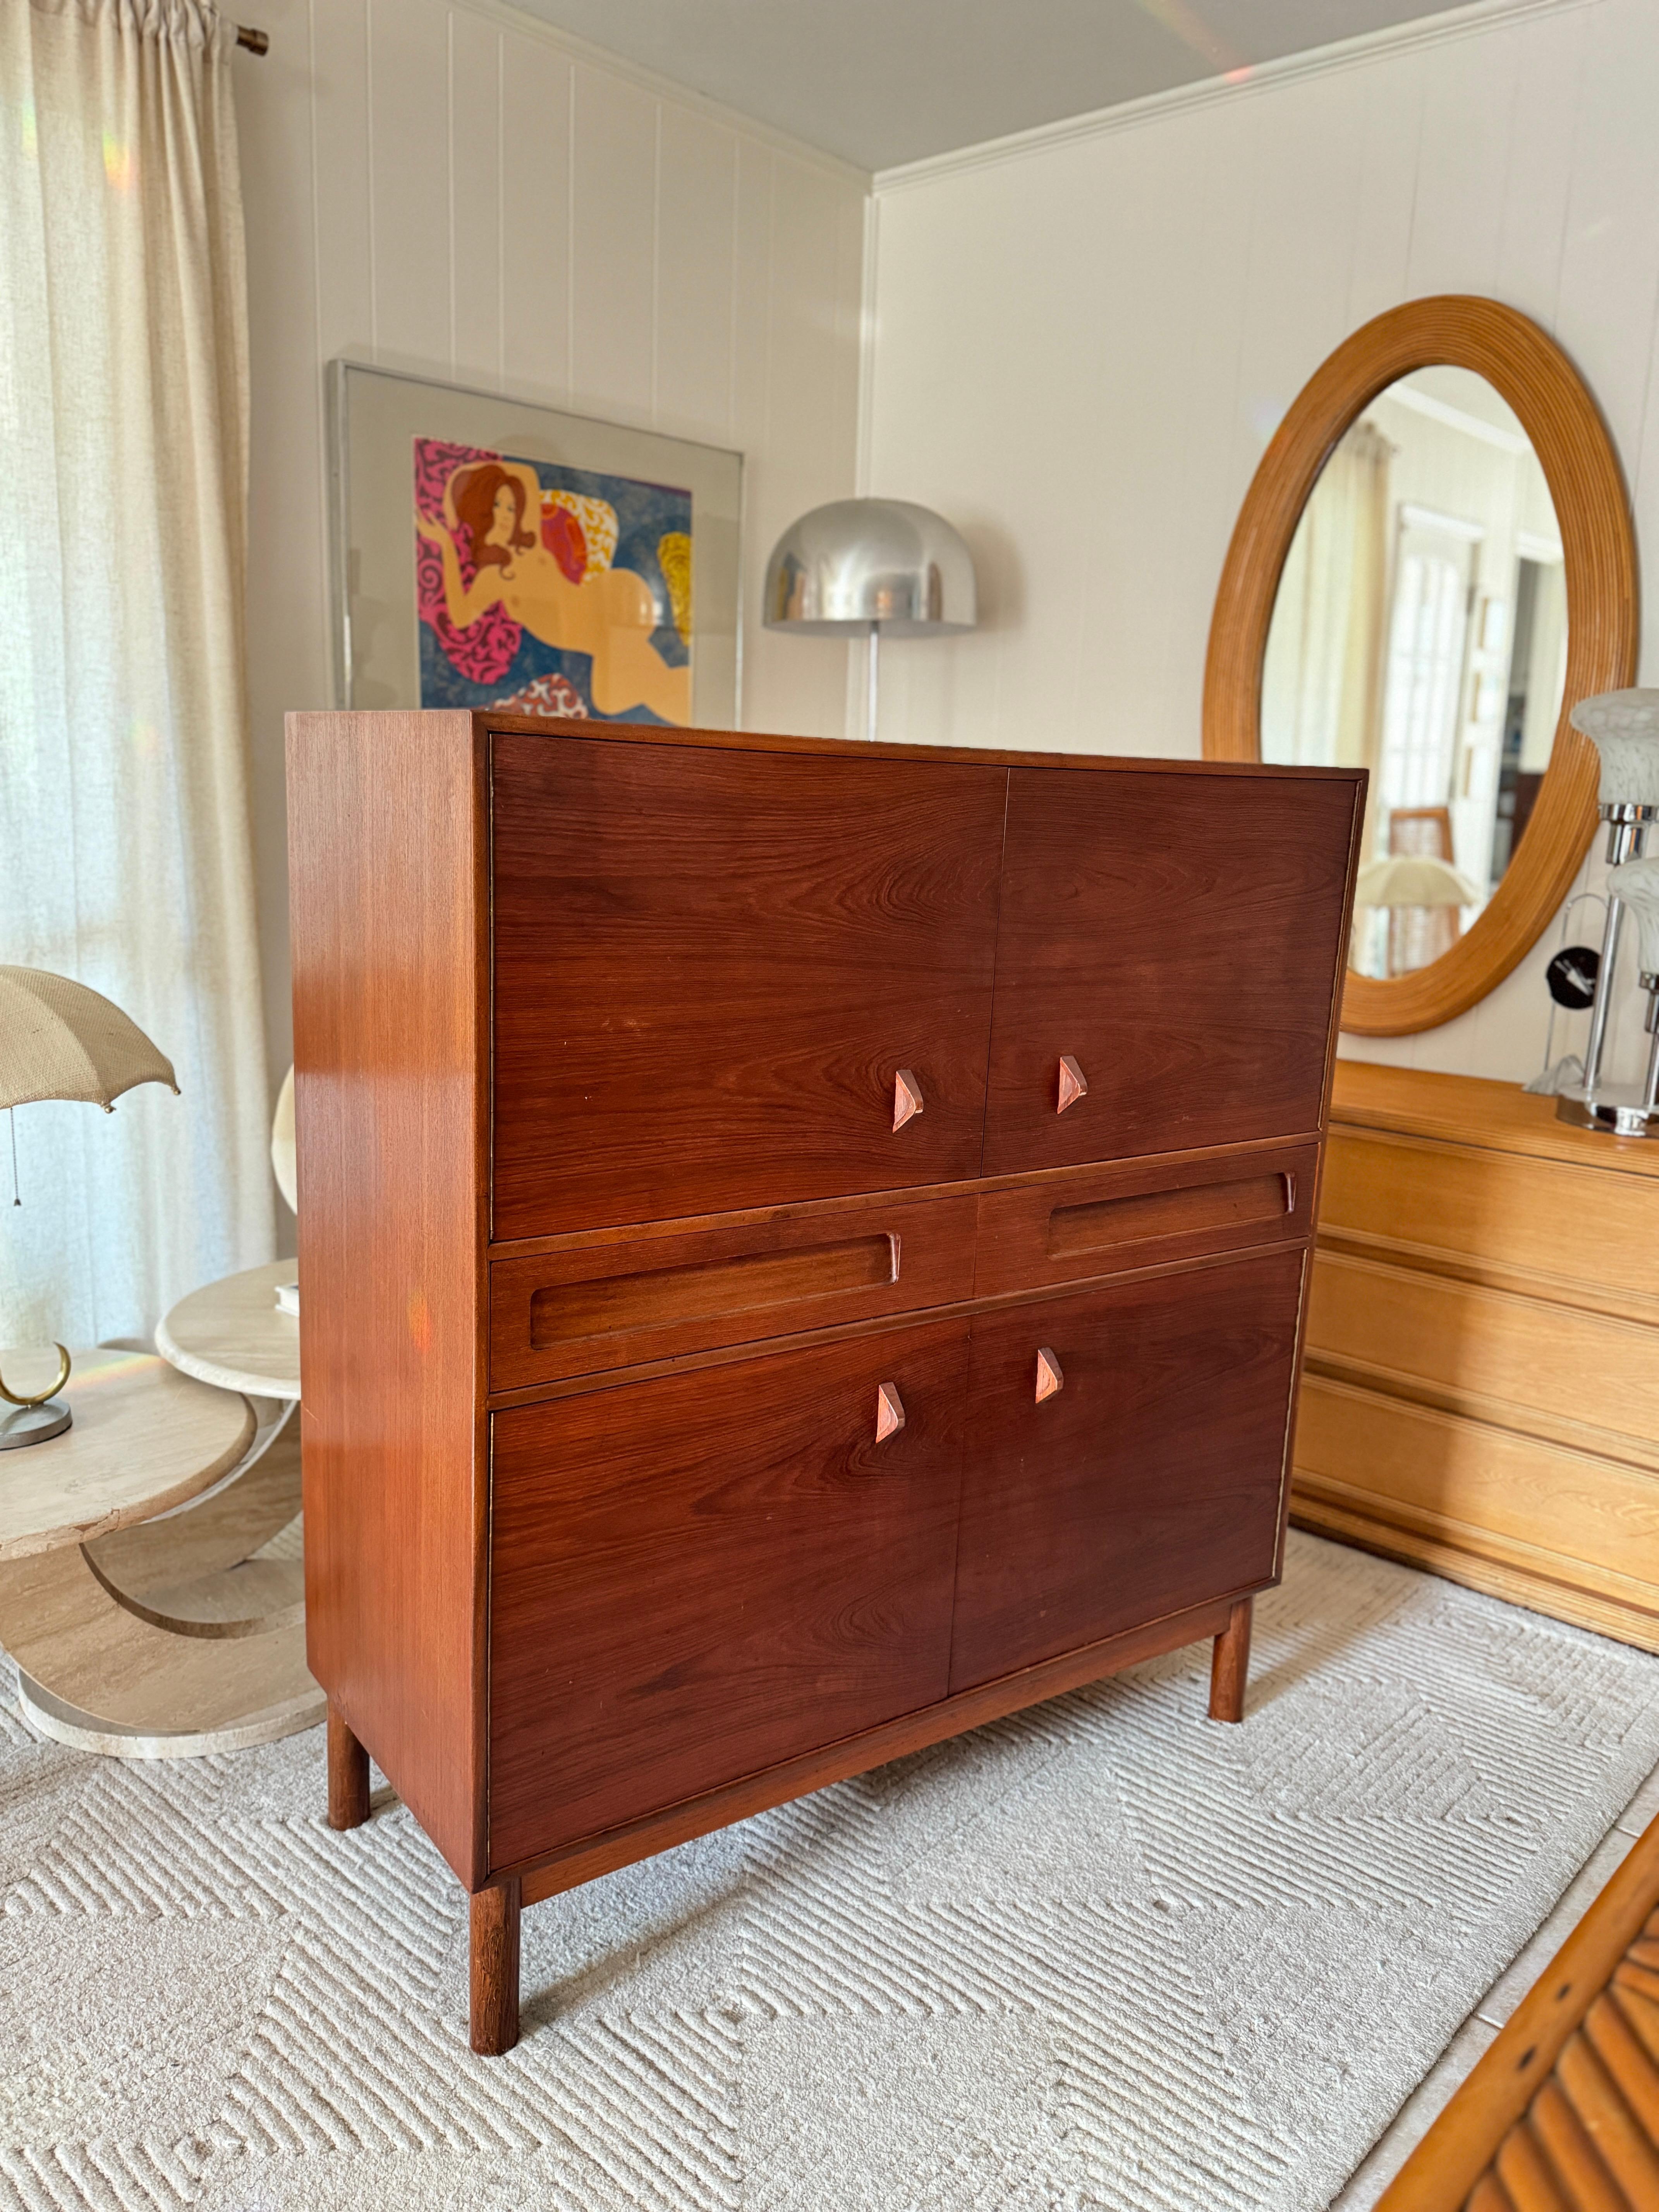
(907,1096)
(890,1411)
(1073,1082)
(1050,1378)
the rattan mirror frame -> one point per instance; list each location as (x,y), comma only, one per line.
(1598,541)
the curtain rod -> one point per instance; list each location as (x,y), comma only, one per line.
(256,42)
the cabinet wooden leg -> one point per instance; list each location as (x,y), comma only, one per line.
(348,1774)
(496,1968)
(1230,1665)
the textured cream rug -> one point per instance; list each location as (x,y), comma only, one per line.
(1106,1954)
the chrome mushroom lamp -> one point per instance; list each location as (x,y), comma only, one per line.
(1624,727)
(873,568)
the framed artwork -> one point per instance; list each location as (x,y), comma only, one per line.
(490,553)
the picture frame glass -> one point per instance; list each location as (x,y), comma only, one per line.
(492,553)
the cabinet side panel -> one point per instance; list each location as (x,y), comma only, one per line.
(383,843)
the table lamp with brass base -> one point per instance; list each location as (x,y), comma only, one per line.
(60,1040)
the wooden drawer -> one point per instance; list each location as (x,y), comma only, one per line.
(697,1577)
(711,967)
(577,1312)
(1585,1234)
(1095,1223)
(1178,937)
(1151,1481)
(1558,1509)
(1519,1362)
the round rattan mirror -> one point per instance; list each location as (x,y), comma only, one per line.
(1434,562)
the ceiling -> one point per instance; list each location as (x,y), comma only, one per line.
(879,83)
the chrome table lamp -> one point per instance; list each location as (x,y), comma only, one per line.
(60,1040)
(870,567)
(1624,728)
(1636,887)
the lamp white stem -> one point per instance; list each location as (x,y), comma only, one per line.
(872,686)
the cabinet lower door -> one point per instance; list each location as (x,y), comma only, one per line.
(696,1577)
(1149,1480)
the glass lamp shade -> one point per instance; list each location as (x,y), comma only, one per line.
(1625,726)
(862,561)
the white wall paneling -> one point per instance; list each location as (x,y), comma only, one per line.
(1082,342)
(446,186)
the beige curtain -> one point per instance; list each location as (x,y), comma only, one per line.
(1320,678)
(126,856)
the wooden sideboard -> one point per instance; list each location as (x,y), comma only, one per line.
(802,1252)
(1482,1392)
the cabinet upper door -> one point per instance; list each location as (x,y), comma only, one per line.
(719,975)
(1146,1478)
(1171,941)
(701,1576)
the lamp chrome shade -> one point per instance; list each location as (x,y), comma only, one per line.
(857,562)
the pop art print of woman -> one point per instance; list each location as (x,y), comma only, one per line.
(515,558)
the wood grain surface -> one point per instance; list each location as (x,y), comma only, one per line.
(1481,1348)
(1560,1372)
(1151,1482)
(1562,2113)
(584,1861)
(578,1312)
(348,1774)
(1467,1110)
(1580,465)
(1230,1664)
(494,1944)
(695,1577)
(1040,1235)
(387,891)
(710,967)
(1185,943)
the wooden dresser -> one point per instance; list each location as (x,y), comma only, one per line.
(802,1252)
(1482,1387)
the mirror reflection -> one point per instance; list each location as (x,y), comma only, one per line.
(1421,630)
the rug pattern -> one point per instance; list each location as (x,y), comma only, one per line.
(1102,1954)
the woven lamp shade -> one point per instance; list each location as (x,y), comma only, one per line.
(60,1040)
(1412,879)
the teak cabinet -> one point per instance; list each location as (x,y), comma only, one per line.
(802,1250)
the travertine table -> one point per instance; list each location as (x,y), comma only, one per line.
(141,1621)
(233,1333)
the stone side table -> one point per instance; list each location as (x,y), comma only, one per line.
(150,1613)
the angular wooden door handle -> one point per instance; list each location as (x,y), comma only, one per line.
(1050,1379)
(1073,1082)
(890,1411)
(907,1096)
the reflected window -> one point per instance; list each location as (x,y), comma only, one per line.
(1420,630)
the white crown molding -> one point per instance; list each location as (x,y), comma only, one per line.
(1405,394)
(1456,23)
(507,17)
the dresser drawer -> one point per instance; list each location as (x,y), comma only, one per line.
(1063,1229)
(1176,938)
(1149,1480)
(714,970)
(577,1312)
(699,1576)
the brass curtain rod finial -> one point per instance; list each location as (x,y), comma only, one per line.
(253,41)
